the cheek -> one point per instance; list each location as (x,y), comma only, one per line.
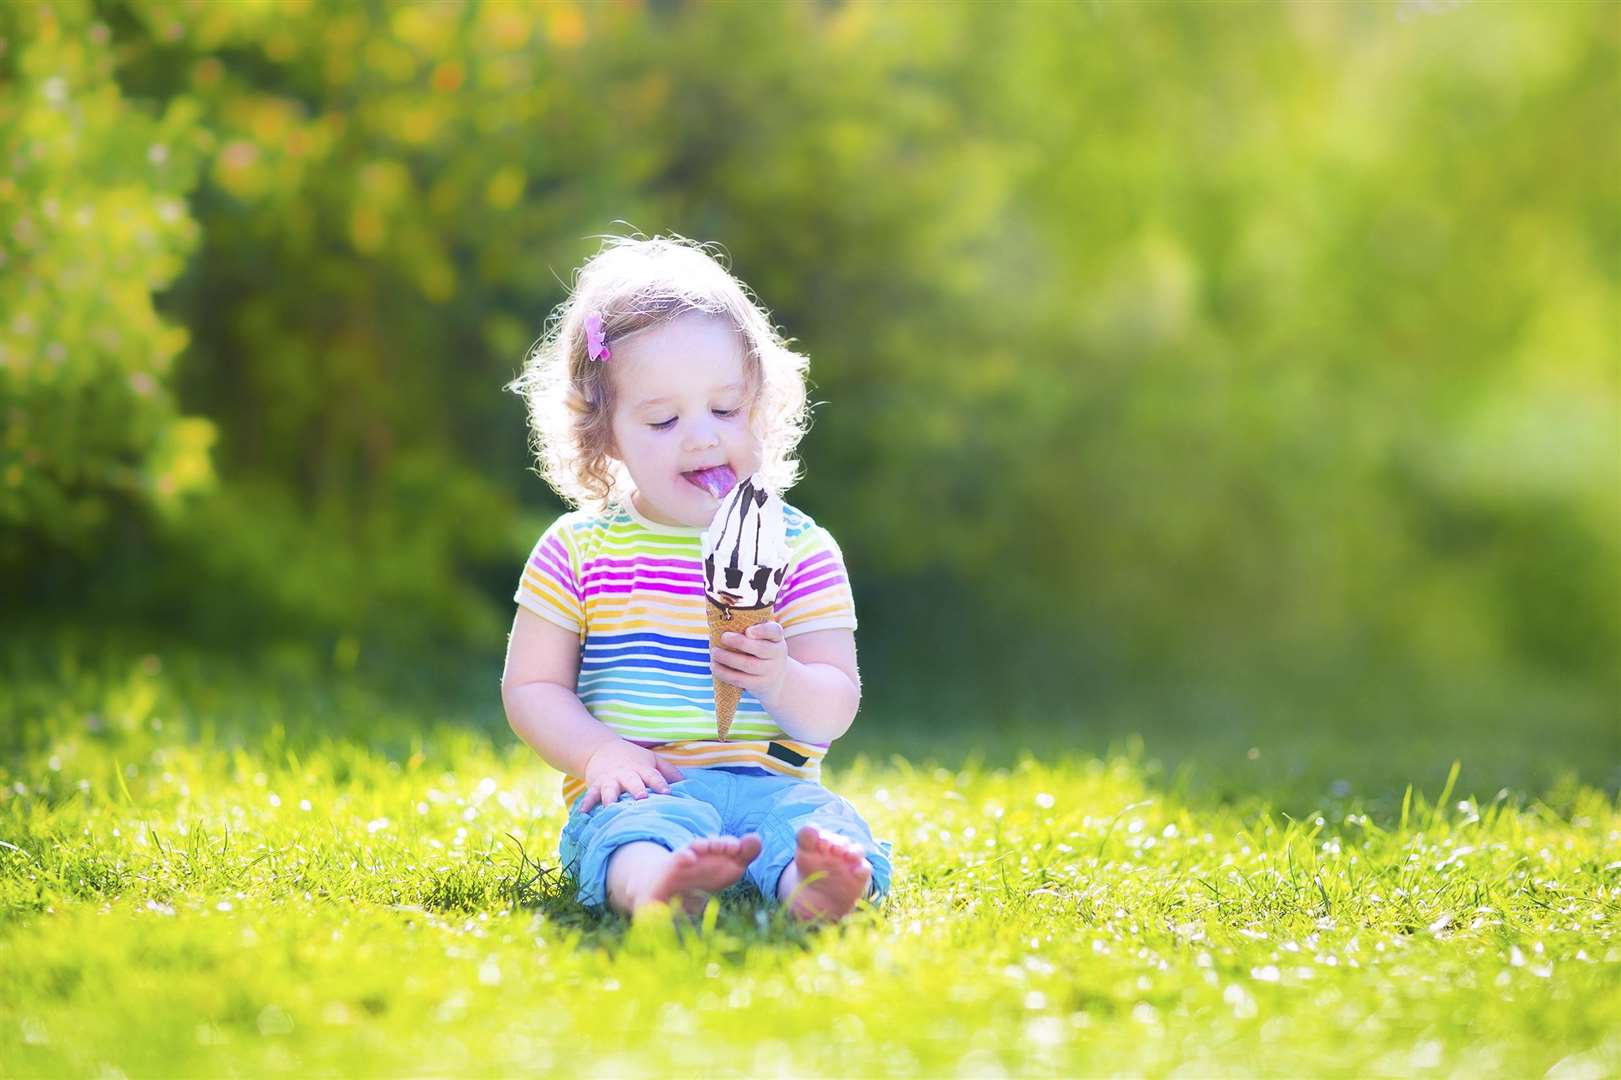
(741,429)
(636,446)
(658,450)
(748,442)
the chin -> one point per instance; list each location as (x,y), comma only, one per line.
(691,516)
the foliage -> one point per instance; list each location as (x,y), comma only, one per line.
(95,222)
(1199,339)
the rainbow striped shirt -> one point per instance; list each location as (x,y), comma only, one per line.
(633,590)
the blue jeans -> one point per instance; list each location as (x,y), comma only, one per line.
(717,801)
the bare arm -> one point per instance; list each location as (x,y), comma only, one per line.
(821,689)
(537,690)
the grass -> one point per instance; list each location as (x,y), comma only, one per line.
(213,868)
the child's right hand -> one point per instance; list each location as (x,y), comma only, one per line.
(618,766)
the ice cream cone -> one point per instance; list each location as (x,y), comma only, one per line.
(738,621)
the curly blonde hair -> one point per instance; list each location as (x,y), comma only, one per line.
(634,283)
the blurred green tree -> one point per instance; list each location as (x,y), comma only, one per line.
(94,220)
(1194,337)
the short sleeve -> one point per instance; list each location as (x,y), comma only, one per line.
(816,591)
(550,586)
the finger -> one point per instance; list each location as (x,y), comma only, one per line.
(742,662)
(632,783)
(730,677)
(766,644)
(589,801)
(766,631)
(655,781)
(613,787)
(745,645)
(668,769)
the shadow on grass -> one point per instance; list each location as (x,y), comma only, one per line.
(1293,741)
(1292,747)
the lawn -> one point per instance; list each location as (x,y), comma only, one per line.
(209,868)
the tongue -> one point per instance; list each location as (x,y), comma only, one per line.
(717,481)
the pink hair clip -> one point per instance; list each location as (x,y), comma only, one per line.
(595,347)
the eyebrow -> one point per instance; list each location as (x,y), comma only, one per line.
(662,400)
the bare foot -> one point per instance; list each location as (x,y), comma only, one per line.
(828,875)
(702,867)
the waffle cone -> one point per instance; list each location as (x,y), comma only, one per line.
(722,620)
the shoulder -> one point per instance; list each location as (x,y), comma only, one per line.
(797,523)
(804,534)
(573,523)
(583,531)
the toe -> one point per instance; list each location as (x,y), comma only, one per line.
(837,846)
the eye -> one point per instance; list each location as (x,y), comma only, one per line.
(665,425)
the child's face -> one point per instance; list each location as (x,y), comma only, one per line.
(687,377)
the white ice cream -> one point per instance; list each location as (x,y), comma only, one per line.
(746,548)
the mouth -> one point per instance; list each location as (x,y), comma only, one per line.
(714,481)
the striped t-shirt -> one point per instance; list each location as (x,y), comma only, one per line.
(633,590)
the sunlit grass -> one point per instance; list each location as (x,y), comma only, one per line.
(247,878)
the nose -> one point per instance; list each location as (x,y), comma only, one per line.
(701,435)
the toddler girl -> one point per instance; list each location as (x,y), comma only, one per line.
(659,386)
